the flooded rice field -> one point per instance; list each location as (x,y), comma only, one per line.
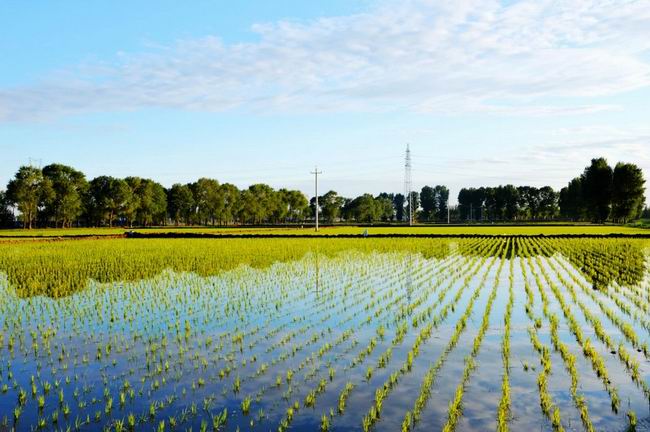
(465,334)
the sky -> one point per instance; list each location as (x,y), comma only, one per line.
(484,92)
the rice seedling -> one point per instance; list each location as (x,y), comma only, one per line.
(172,329)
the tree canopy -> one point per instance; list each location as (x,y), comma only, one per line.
(60,196)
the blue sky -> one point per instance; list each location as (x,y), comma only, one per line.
(485,92)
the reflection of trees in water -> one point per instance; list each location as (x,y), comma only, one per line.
(59,269)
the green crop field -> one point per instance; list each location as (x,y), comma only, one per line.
(306,334)
(547,229)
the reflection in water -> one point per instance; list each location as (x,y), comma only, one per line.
(301,330)
(600,261)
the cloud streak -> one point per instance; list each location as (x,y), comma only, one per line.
(533,58)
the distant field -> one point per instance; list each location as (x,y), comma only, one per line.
(491,230)
(482,229)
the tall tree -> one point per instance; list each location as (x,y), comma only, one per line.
(6,215)
(365,208)
(572,200)
(428,201)
(180,203)
(69,187)
(627,192)
(384,207)
(441,194)
(29,192)
(645,214)
(208,199)
(597,189)
(548,202)
(331,205)
(471,201)
(109,199)
(398,204)
(231,203)
(259,203)
(298,205)
(149,201)
(510,197)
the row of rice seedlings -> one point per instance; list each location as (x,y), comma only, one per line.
(455,406)
(401,325)
(312,395)
(597,362)
(503,412)
(411,417)
(310,398)
(626,329)
(550,409)
(631,364)
(381,393)
(602,262)
(639,297)
(634,305)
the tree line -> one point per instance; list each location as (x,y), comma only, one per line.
(61,196)
(601,193)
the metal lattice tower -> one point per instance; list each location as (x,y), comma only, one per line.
(407,184)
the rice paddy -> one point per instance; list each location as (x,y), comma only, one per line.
(491,333)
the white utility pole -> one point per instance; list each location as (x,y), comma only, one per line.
(408,183)
(315,173)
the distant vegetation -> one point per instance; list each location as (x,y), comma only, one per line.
(599,194)
(61,196)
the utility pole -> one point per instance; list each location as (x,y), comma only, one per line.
(315,173)
(471,212)
(407,183)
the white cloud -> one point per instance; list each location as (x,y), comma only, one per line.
(417,55)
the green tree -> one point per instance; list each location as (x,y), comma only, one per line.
(180,203)
(571,201)
(548,202)
(470,202)
(645,214)
(208,199)
(384,208)
(441,194)
(259,204)
(627,192)
(365,209)
(231,203)
(428,201)
(29,191)
(69,187)
(298,205)
(149,201)
(597,189)
(6,215)
(331,205)
(110,198)
(398,204)
(529,201)
(511,201)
